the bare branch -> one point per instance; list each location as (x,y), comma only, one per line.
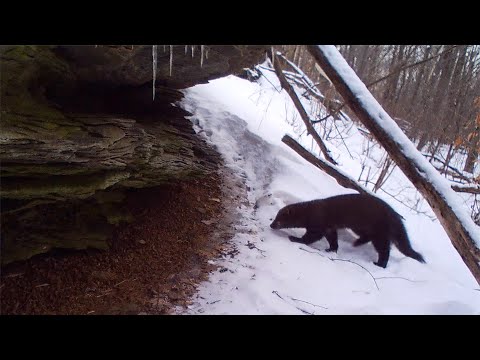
(400,278)
(467,189)
(303,311)
(309,303)
(353,262)
(343,179)
(405,67)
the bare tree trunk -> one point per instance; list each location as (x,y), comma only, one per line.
(472,157)
(462,231)
(371,69)
(421,74)
(422,142)
(449,156)
(434,149)
(363,61)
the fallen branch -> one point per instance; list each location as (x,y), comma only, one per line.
(213,302)
(306,302)
(399,277)
(313,252)
(276,293)
(302,84)
(449,170)
(301,79)
(304,311)
(343,179)
(467,189)
(299,73)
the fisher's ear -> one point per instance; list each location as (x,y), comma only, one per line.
(287,211)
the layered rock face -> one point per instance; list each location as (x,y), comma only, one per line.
(79,128)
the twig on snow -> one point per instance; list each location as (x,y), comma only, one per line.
(296,307)
(353,262)
(399,277)
(312,252)
(306,302)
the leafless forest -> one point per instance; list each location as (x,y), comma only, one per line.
(432,91)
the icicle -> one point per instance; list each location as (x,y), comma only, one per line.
(186,49)
(193,48)
(154,65)
(206,53)
(171,59)
(201,55)
(164,48)
(273,57)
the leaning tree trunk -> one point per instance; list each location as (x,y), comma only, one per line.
(461,230)
(303,114)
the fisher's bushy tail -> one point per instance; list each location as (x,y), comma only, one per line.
(401,241)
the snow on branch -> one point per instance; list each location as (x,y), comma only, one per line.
(301,74)
(472,189)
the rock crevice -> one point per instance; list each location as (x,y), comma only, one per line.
(79,128)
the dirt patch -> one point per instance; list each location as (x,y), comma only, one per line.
(153,265)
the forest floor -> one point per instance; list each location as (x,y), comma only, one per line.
(154,264)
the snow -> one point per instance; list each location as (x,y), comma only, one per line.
(270,274)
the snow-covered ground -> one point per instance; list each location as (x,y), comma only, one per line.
(270,274)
